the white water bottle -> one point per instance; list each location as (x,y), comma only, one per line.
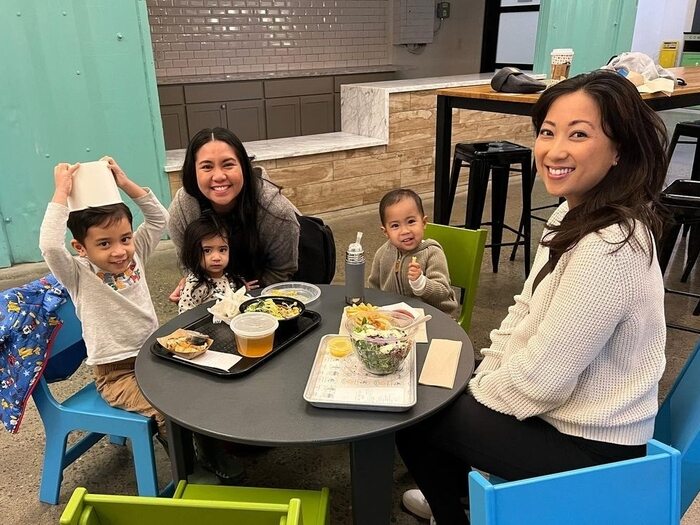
(355,272)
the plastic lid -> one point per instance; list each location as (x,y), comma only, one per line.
(254,324)
(356,247)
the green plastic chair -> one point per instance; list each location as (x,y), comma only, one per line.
(464,250)
(102,509)
(315,505)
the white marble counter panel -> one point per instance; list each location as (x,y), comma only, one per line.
(365,107)
(288,147)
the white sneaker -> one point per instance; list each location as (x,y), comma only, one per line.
(415,503)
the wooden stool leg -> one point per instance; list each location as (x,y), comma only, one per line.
(476,193)
(499,196)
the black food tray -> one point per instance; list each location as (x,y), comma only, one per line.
(224,341)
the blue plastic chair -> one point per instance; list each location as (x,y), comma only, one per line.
(678,425)
(640,491)
(88,412)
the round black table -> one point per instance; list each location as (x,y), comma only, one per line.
(266,407)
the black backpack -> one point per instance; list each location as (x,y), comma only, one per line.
(316,263)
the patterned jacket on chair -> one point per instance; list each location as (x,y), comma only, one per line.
(27,325)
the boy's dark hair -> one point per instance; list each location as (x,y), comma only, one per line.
(206,226)
(80,221)
(398,195)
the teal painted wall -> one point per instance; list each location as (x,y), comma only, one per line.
(78,82)
(595,29)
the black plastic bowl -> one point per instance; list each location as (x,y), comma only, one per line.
(287,322)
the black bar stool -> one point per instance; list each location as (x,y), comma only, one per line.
(690,128)
(495,158)
(532,215)
(682,199)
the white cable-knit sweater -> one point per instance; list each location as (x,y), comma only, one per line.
(585,352)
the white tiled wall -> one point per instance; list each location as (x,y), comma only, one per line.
(212,37)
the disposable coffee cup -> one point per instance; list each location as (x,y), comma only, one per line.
(93,185)
(561,63)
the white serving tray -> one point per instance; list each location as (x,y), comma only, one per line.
(343,382)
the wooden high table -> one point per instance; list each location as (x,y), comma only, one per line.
(483,98)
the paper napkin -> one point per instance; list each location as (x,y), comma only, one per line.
(421,334)
(440,367)
(213,359)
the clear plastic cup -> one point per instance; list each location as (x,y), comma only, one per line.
(255,333)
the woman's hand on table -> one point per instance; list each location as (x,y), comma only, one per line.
(175,296)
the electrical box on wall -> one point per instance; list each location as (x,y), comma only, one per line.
(442,10)
(413,21)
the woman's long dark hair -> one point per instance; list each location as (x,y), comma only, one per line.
(631,189)
(242,221)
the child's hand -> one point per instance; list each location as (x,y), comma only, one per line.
(251,285)
(119,176)
(129,187)
(414,270)
(177,292)
(63,180)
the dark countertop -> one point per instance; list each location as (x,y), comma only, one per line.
(196,79)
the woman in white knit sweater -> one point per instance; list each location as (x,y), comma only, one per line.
(571,377)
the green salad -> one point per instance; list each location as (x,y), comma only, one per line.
(278,309)
(381,350)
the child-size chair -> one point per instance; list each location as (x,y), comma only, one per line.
(640,491)
(656,489)
(99,509)
(464,250)
(678,425)
(315,506)
(88,412)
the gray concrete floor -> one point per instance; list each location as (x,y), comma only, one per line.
(108,469)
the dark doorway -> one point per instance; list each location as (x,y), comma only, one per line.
(502,15)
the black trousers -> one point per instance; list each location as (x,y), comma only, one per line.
(440,451)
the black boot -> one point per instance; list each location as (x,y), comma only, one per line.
(211,454)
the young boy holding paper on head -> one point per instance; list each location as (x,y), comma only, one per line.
(106,281)
(407,264)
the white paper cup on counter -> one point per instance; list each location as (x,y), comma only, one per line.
(93,185)
(561,63)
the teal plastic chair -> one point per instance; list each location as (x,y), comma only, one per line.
(464,250)
(656,489)
(315,504)
(678,425)
(640,491)
(88,412)
(98,509)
